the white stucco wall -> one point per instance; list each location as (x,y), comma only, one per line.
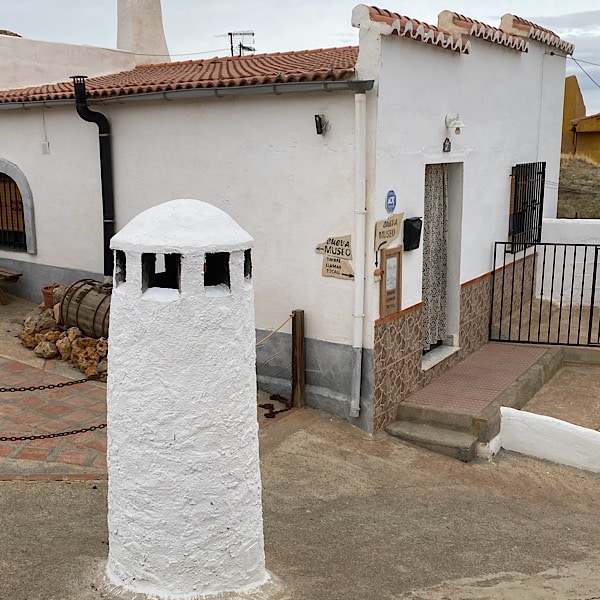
(65,184)
(140,30)
(512,114)
(257,157)
(578,261)
(550,439)
(31,62)
(571,231)
(260,159)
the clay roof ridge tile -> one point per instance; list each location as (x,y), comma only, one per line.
(489,33)
(536,32)
(418,30)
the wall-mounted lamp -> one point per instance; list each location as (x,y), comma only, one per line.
(321,124)
(454,123)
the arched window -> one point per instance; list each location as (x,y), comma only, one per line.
(12,218)
(17,228)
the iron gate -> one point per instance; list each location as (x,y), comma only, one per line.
(547,295)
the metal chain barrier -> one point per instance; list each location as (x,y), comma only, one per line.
(270,408)
(27,438)
(50,386)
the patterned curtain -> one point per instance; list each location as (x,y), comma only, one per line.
(435,233)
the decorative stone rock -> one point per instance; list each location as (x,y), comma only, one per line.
(27,338)
(58,293)
(64,347)
(83,353)
(102,366)
(46,350)
(40,322)
(73,333)
(52,336)
(91,371)
(102,347)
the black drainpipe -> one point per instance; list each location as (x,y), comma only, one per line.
(106,177)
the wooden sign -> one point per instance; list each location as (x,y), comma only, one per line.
(390,287)
(336,251)
(387,231)
(336,267)
(340,247)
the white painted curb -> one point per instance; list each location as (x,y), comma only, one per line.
(550,439)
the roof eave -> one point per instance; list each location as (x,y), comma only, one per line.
(352,85)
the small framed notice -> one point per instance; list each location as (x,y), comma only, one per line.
(390,287)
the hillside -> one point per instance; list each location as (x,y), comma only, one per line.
(578,189)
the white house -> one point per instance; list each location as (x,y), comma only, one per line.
(320,155)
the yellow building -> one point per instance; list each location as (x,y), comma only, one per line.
(573,108)
(587,136)
(580,133)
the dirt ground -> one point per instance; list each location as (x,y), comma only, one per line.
(572,395)
(578,188)
(349,517)
(352,517)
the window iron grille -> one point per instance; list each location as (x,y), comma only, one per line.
(526,206)
(12,220)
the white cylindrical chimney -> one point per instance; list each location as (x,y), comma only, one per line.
(185,514)
(140,30)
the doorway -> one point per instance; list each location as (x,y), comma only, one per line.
(435,257)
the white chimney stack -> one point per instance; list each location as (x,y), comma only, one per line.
(140,30)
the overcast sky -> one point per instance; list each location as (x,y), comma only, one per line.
(198,28)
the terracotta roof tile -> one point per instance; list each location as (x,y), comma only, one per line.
(457,24)
(518,26)
(329,64)
(417,30)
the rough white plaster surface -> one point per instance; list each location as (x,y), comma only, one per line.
(182,226)
(551,439)
(185,515)
(32,62)
(489,449)
(140,30)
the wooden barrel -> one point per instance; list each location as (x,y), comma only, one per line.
(86,305)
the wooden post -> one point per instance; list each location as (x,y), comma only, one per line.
(298,359)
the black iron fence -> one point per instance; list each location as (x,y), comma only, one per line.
(548,295)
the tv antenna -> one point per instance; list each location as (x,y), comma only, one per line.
(239,42)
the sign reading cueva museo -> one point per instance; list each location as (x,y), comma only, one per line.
(336,251)
(387,231)
(340,247)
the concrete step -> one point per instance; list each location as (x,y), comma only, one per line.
(455,444)
(484,426)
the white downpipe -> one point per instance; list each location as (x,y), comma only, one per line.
(360,217)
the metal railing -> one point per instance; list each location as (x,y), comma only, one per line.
(546,296)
